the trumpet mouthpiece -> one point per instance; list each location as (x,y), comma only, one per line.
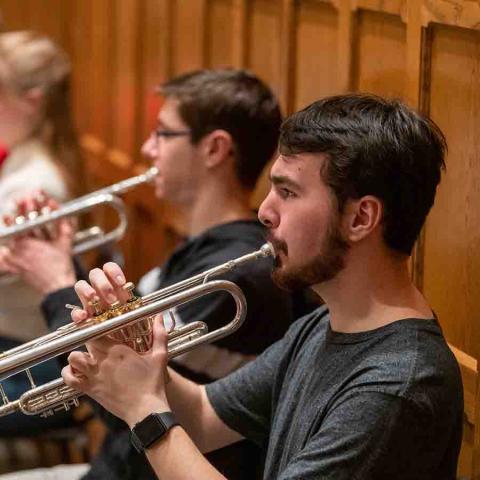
(267,250)
(152,172)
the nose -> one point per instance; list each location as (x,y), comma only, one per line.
(267,214)
(149,148)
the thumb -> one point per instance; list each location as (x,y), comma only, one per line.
(160,336)
(65,234)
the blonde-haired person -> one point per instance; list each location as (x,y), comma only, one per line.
(37,131)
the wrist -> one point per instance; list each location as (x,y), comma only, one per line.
(144,407)
(59,283)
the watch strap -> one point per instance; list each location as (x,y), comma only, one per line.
(151,429)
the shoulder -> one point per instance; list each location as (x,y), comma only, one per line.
(308,331)
(32,167)
(411,360)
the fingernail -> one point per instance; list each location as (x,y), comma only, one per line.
(120,280)
(111,298)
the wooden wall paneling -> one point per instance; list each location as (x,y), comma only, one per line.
(266,24)
(188,35)
(316,55)
(459,13)
(264,39)
(240,33)
(394,7)
(345,39)
(37,15)
(287,55)
(156,65)
(152,233)
(452,281)
(80,48)
(99,76)
(219,33)
(15,18)
(380,54)
(417,85)
(125,83)
(50,17)
(415,51)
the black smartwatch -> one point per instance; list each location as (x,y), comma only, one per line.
(151,429)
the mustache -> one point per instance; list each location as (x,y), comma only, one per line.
(278,245)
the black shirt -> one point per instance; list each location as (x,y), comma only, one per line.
(269,315)
(381,404)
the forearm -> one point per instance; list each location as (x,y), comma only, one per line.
(176,457)
(193,410)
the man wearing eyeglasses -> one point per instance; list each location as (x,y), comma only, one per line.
(216,131)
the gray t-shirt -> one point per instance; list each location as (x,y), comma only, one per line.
(382,404)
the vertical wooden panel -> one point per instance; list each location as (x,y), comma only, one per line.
(287,56)
(219,44)
(346,31)
(415,51)
(100,74)
(45,16)
(155,59)
(124,81)
(81,47)
(188,29)
(48,16)
(380,56)
(452,239)
(15,18)
(239,32)
(264,41)
(316,52)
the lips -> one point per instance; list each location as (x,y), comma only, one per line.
(279,246)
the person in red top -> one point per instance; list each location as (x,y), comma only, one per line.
(3,153)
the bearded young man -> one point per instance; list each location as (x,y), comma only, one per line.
(364,388)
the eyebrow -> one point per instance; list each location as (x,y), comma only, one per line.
(161,124)
(285,181)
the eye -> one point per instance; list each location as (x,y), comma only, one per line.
(285,193)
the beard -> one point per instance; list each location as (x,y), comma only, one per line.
(324,266)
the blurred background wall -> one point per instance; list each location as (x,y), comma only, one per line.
(424,51)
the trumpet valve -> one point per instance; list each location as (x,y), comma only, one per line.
(116,308)
(99,315)
(128,288)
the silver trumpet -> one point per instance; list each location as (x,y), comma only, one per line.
(130,323)
(92,237)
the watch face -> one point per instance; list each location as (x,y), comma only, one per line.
(150,429)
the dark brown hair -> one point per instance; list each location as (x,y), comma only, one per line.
(374,147)
(235,101)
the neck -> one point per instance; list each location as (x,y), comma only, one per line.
(215,204)
(371,292)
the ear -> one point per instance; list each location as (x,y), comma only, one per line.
(217,146)
(361,217)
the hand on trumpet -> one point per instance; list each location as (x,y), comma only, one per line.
(128,384)
(42,259)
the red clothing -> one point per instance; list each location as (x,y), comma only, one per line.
(3,154)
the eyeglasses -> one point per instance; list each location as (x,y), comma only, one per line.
(162,132)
